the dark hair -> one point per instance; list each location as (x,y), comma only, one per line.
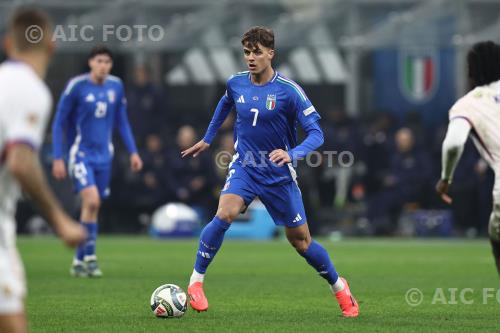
(258,34)
(29,27)
(100,50)
(483,62)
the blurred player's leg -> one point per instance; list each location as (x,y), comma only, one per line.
(494,225)
(211,238)
(15,323)
(12,285)
(494,230)
(317,256)
(495,246)
(91,203)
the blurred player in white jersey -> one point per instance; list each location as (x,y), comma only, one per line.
(478,114)
(25,103)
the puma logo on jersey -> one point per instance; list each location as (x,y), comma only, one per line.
(241,99)
(297,218)
(90,98)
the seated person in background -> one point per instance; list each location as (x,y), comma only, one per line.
(191,180)
(404,183)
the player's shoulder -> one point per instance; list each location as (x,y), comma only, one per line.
(17,73)
(473,97)
(21,80)
(291,87)
(76,82)
(238,78)
(23,89)
(114,80)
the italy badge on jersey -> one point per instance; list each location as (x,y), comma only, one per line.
(271,102)
(111,95)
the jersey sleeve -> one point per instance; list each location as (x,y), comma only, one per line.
(28,119)
(305,112)
(222,110)
(123,123)
(313,140)
(66,105)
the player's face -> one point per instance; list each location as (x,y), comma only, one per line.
(100,66)
(257,57)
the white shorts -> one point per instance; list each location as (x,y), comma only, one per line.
(12,278)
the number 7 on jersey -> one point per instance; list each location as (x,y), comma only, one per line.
(256,111)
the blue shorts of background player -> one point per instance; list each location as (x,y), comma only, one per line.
(85,174)
(283,201)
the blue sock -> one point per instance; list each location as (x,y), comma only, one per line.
(80,250)
(89,247)
(317,256)
(210,241)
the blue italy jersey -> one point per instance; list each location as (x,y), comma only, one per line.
(267,118)
(86,116)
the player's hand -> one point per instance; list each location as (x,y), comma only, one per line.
(280,157)
(442,189)
(135,162)
(70,232)
(196,149)
(59,169)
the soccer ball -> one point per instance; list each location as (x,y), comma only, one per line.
(169,301)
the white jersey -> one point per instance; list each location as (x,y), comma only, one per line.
(25,104)
(481,108)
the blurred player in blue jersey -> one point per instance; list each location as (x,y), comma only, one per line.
(268,107)
(90,107)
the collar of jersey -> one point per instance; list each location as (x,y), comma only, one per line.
(265,84)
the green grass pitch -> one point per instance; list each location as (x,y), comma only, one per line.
(265,287)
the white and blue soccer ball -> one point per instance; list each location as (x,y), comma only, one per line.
(168,301)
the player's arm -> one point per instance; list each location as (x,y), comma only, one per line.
(314,139)
(22,162)
(222,110)
(308,118)
(126,134)
(453,145)
(23,136)
(65,107)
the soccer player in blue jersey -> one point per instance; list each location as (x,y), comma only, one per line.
(90,107)
(268,108)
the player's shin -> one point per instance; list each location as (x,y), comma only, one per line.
(79,253)
(317,256)
(89,246)
(211,239)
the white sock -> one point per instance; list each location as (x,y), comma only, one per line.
(196,277)
(77,262)
(89,258)
(337,286)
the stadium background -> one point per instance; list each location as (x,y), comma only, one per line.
(371,68)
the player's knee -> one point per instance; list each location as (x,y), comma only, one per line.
(226,215)
(92,204)
(301,243)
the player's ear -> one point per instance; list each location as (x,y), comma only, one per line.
(7,44)
(271,54)
(51,47)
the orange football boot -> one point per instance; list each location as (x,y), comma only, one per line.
(347,302)
(197,297)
